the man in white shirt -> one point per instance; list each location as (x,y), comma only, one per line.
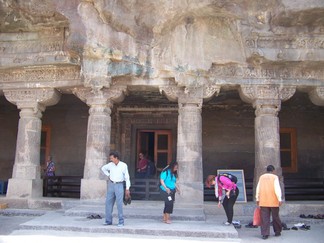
(117,171)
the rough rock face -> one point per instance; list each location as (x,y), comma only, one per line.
(34,15)
(165,33)
(166,38)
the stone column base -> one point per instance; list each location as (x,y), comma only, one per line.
(93,189)
(25,188)
(191,195)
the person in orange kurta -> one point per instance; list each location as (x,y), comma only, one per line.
(268,198)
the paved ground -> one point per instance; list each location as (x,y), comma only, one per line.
(314,235)
(11,231)
(143,224)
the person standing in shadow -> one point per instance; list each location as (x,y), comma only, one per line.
(141,165)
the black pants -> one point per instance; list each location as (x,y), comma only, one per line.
(168,204)
(228,205)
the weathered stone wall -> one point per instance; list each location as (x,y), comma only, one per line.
(228,139)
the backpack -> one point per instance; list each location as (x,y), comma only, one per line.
(233,178)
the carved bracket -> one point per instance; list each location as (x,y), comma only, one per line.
(266,99)
(103,96)
(250,93)
(37,99)
(190,94)
(317,96)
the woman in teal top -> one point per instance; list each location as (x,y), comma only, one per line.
(168,180)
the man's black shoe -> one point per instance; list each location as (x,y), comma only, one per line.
(264,237)
(278,234)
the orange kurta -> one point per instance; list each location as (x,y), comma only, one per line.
(268,191)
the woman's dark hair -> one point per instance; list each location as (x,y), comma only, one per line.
(171,167)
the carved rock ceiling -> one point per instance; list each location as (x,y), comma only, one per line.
(159,37)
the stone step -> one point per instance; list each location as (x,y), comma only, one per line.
(60,221)
(139,211)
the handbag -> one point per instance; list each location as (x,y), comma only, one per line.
(257,216)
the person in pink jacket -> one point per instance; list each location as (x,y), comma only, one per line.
(223,183)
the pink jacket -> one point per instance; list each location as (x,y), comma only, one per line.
(225,183)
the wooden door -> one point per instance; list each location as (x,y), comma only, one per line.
(157,144)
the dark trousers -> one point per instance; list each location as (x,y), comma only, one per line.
(168,204)
(228,204)
(265,220)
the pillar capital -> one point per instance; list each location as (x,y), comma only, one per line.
(32,101)
(316,95)
(190,94)
(250,93)
(101,97)
(266,99)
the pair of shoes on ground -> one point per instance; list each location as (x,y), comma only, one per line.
(94,216)
(304,227)
(236,224)
(301,226)
(319,216)
(227,224)
(250,225)
(310,216)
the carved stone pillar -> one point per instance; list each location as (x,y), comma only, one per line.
(98,138)
(266,100)
(26,180)
(189,142)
